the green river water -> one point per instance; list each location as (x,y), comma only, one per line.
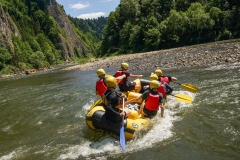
(42,116)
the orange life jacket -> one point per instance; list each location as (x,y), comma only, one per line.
(162,89)
(117,74)
(100,87)
(164,79)
(152,102)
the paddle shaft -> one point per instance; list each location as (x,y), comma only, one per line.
(122,135)
(177,83)
(123,111)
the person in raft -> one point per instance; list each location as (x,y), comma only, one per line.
(152,100)
(101,83)
(164,88)
(112,101)
(122,78)
(163,78)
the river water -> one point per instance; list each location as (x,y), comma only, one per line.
(42,116)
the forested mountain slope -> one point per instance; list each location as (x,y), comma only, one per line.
(38,33)
(147,25)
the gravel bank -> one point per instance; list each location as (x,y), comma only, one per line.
(203,55)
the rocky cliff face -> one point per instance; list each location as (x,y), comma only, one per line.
(66,43)
(71,40)
(7,28)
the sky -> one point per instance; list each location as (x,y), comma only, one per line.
(88,8)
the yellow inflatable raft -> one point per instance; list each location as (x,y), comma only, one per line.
(96,119)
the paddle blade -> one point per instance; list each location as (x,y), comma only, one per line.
(122,139)
(189,87)
(183,98)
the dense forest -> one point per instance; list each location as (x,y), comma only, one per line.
(147,25)
(94,26)
(42,34)
(38,33)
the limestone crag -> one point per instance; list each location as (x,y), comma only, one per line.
(71,41)
(7,27)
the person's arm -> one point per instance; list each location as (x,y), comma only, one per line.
(173,79)
(111,104)
(133,100)
(162,109)
(146,88)
(97,93)
(161,104)
(135,76)
(168,88)
(119,78)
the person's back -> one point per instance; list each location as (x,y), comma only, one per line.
(112,100)
(122,76)
(152,100)
(111,110)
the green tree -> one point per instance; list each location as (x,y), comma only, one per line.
(124,37)
(217,15)
(173,28)
(200,24)
(110,35)
(5,57)
(50,57)
(37,59)
(151,33)
(136,39)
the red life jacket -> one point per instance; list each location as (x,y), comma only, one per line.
(117,74)
(100,87)
(152,102)
(164,79)
(162,89)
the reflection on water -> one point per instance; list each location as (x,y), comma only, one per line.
(43,117)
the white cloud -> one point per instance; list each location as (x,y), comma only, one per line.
(91,15)
(79,5)
(107,0)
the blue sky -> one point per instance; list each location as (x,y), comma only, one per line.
(89,8)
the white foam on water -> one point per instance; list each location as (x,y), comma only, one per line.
(99,148)
(16,154)
(9,156)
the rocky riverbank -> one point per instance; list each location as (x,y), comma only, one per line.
(203,55)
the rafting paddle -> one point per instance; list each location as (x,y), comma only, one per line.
(188,87)
(183,98)
(122,135)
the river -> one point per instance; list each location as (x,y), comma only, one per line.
(42,116)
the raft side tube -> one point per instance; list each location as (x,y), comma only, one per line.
(96,119)
(132,95)
(142,83)
(89,116)
(113,127)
